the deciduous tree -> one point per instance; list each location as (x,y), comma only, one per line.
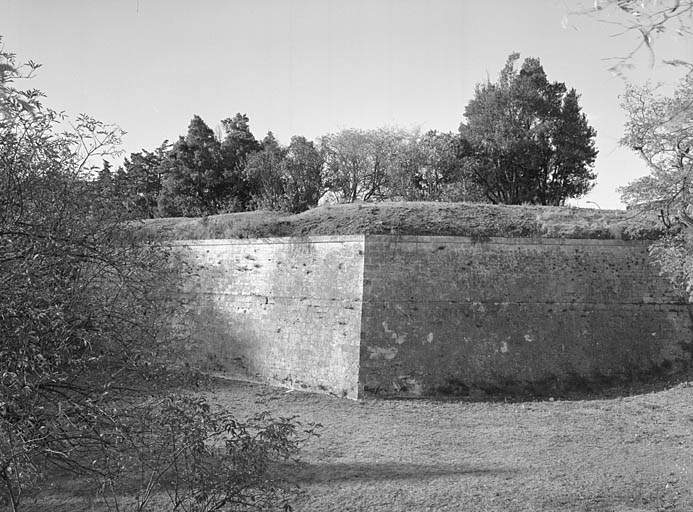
(84,326)
(302,174)
(660,130)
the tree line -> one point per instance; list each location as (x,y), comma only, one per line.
(524,139)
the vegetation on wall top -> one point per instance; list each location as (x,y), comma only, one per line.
(417,218)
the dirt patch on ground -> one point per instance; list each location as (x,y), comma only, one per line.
(416,218)
(623,454)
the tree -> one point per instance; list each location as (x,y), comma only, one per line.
(302,175)
(85,311)
(347,165)
(368,165)
(660,130)
(439,174)
(285,178)
(526,139)
(141,184)
(263,173)
(195,182)
(238,144)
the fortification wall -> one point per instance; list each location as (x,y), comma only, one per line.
(285,310)
(416,315)
(452,314)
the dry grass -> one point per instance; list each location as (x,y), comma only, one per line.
(416,218)
(624,454)
(619,454)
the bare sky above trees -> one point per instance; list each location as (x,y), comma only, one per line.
(309,67)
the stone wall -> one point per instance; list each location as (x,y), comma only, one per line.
(415,315)
(450,314)
(287,311)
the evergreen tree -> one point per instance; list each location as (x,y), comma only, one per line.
(238,144)
(142,183)
(526,139)
(195,182)
(263,174)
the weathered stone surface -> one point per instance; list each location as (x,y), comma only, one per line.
(283,310)
(448,314)
(420,315)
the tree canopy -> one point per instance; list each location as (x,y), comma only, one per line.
(526,140)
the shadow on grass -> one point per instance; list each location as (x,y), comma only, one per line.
(363,471)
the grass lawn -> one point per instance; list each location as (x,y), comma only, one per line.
(631,453)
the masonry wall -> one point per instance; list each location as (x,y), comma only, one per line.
(284,310)
(451,315)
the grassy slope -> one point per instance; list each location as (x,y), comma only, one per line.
(625,454)
(416,218)
(620,454)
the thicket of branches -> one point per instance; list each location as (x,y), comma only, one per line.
(85,385)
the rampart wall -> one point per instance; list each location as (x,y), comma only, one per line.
(284,310)
(449,314)
(418,315)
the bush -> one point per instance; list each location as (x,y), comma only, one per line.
(84,310)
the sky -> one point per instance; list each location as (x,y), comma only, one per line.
(311,67)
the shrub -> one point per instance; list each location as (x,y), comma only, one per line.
(83,313)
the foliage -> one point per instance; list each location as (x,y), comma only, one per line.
(660,130)
(440,175)
(140,183)
(199,175)
(236,147)
(195,183)
(349,169)
(302,175)
(264,174)
(526,140)
(285,178)
(84,315)
(178,450)
(388,163)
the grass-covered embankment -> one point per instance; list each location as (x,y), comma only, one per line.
(417,218)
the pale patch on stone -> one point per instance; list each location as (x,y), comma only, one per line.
(478,307)
(382,353)
(528,338)
(399,338)
(504,347)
